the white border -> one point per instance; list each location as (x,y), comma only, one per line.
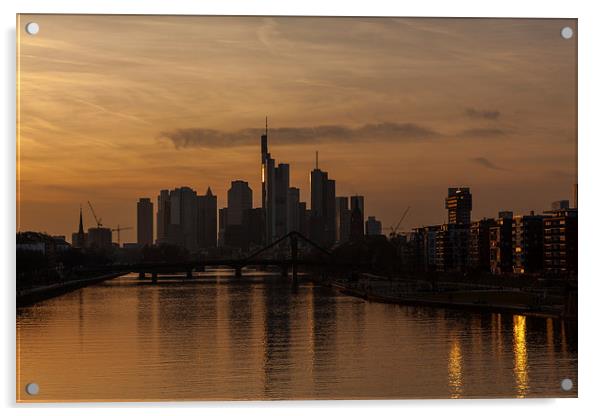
(590,193)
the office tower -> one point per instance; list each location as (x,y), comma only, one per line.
(458,204)
(323,207)
(275,181)
(357,217)
(343,219)
(240,198)
(293,219)
(207,219)
(357,201)
(145,221)
(373,226)
(304,219)
(500,244)
(330,209)
(281,189)
(527,243)
(222,224)
(480,246)
(253,228)
(163,216)
(78,239)
(183,224)
(562,204)
(560,242)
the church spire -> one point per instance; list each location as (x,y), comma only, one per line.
(81,222)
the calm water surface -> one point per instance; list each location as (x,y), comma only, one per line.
(219,338)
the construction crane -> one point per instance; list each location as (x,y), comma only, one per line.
(394,230)
(119,229)
(98,220)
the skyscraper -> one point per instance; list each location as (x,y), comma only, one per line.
(240,198)
(343,219)
(145,221)
(458,204)
(293,220)
(183,226)
(275,182)
(323,207)
(207,219)
(373,226)
(282,177)
(357,216)
(163,216)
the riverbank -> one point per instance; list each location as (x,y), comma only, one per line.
(33,295)
(513,301)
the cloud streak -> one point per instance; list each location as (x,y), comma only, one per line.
(483,133)
(486,114)
(486,163)
(211,138)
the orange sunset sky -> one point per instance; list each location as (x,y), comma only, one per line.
(113,108)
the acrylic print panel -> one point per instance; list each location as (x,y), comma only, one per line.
(258,208)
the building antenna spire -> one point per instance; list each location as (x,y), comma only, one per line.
(316,159)
(266,125)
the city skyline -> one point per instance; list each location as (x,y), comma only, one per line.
(481,123)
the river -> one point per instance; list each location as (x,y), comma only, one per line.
(218,338)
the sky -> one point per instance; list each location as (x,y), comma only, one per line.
(114,108)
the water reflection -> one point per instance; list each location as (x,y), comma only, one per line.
(223,338)
(521,371)
(454,368)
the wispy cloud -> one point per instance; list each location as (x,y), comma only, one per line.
(211,138)
(486,163)
(483,133)
(486,114)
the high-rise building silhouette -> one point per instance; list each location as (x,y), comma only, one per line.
(207,219)
(323,207)
(240,198)
(343,219)
(163,216)
(373,226)
(187,219)
(275,182)
(357,217)
(459,205)
(184,218)
(253,226)
(281,189)
(293,210)
(144,218)
(223,223)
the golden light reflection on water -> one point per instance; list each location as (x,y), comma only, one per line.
(224,339)
(521,371)
(454,369)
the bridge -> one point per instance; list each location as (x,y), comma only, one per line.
(324,261)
